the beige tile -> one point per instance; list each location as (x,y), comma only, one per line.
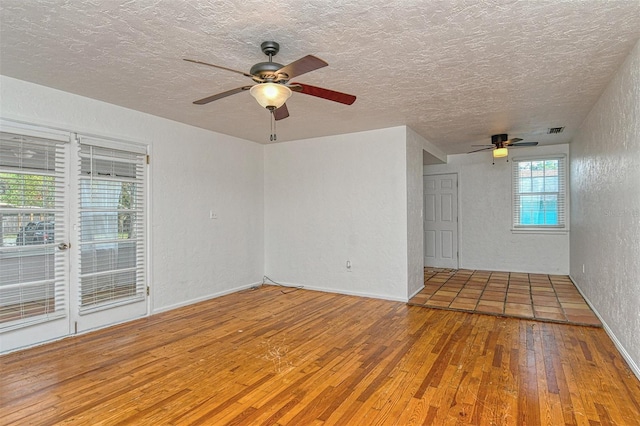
(551,316)
(539,296)
(545,301)
(518,309)
(463,303)
(518,298)
(493,295)
(468,292)
(547,310)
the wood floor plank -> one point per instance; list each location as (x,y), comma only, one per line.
(264,357)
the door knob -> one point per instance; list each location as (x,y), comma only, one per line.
(63,246)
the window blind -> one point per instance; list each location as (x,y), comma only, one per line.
(539,193)
(33,273)
(112,225)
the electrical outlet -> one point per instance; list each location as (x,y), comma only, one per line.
(213,215)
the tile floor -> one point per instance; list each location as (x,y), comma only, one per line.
(533,296)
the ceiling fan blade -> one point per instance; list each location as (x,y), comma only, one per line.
(512,141)
(481,149)
(221,95)
(218,66)
(301,66)
(484,145)
(281,113)
(524,144)
(320,92)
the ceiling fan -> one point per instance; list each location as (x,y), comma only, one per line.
(499,144)
(273,87)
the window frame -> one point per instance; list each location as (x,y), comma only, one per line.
(562,197)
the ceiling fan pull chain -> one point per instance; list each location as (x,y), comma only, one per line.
(273,136)
(273,118)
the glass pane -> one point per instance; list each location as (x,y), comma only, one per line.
(106,257)
(26,229)
(32,265)
(551,167)
(528,209)
(97,161)
(537,184)
(26,191)
(524,169)
(108,287)
(525,185)
(27,301)
(537,168)
(31,196)
(109,251)
(550,210)
(26,153)
(538,210)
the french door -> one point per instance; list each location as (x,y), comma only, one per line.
(72,234)
(109,261)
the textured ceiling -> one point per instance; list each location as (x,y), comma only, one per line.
(454,71)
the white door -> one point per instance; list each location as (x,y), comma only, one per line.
(108,267)
(441,221)
(34,260)
(72,234)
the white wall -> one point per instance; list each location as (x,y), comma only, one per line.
(605,196)
(484,204)
(338,198)
(193,171)
(416,144)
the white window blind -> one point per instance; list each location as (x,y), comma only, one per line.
(32,202)
(539,193)
(112,225)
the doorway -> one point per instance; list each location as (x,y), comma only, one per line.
(72,234)
(441,220)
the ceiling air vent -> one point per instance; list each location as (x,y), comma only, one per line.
(554,130)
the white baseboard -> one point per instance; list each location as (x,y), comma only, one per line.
(203,298)
(346,293)
(415,292)
(630,362)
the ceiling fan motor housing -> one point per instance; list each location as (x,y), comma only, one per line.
(498,140)
(265,71)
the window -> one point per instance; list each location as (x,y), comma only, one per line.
(539,193)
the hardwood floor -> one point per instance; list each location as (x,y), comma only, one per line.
(310,358)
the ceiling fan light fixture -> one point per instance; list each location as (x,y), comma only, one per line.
(500,152)
(270,95)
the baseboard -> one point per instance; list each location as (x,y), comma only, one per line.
(204,298)
(346,293)
(619,346)
(415,292)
